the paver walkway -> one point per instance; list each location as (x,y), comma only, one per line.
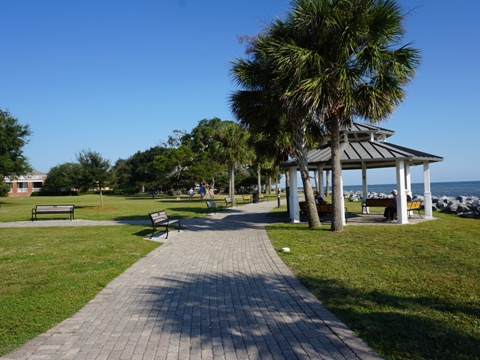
(216,290)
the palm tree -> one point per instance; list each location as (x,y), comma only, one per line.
(232,148)
(333,61)
(260,107)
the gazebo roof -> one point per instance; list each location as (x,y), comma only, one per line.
(359,131)
(363,147)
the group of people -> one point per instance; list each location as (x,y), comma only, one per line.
(201,192)
(390,212)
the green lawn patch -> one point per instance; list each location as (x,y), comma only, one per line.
(50,273)
(115,207)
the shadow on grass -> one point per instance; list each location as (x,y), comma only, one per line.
(396,326)
(144,233)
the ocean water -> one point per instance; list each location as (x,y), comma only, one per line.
(453,188)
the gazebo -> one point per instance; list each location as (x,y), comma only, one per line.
(365,147)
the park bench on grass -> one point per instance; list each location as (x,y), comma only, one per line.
(376,203)
(324,209)
(247,198)
(53,209)
(228,202)
(160,219)
(213,206)
(411,205)
(414,205)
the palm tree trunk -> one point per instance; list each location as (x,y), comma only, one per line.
(231,180)
(327,183)
(337,222)
(259,180)
(300,149)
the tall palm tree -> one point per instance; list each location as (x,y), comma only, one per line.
(333,61)
(232,148)
(261,108)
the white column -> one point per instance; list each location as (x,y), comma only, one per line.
(408,179)
(321,180)
(402,215)
(294,207)
(342,199)
(427,203)
(315,176)
(364,185)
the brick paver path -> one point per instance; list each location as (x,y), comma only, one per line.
(216,290)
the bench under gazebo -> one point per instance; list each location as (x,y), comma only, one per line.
(365,147)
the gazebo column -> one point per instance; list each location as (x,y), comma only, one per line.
(427,203)
(342,199)
(408,179)
(364,185)
(402,215)
(294,207)
(321,188)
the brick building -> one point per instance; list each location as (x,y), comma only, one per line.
(26,185)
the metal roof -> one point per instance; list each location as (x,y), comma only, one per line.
(374,154)
(360,131)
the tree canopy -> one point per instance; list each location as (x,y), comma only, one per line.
(13,137)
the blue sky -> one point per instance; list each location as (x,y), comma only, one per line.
(119,76)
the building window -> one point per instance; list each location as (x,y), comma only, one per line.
(22,187)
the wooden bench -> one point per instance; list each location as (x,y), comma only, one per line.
(160,219)
(414,205)
(53,209)
(247,198)
(324,209)
(261,198)
(213,206)
(229,202)
(411,205)
(384,202)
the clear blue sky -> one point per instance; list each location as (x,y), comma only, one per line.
(119,76)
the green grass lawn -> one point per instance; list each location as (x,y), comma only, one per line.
(50,273)
(87,207)
(410,291)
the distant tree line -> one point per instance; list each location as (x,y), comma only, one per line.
(216,154)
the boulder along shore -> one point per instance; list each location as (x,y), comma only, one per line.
(464,206)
